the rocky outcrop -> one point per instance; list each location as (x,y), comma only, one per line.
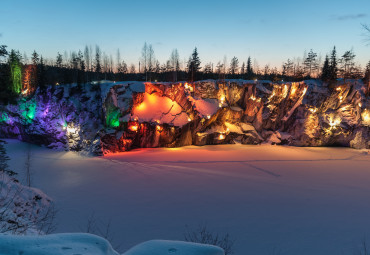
(113,117)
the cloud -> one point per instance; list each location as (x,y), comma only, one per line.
(350,17)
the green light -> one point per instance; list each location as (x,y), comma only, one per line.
(4,117)
(16,71)
(112,119)
(28,110)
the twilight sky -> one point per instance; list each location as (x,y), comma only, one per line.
(269,30)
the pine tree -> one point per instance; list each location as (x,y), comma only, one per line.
(16,71)
(249,72)
(234,66)
(97,60)
(325,74)
(35,58)
(288,68)
(41,79)
(333,65)
(6,93)
(59,61)
(310,63)
(367,78)
(242,69)
(194,65)
(347,64)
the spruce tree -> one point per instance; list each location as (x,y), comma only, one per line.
(249,72)
(333,65)
(325,74)
(194,65)
(367,79)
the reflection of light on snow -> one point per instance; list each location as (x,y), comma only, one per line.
(304,91)
(222,100)
(313,110)
(71,130)
(334,122)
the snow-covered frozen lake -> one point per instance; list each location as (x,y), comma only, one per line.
(271,199)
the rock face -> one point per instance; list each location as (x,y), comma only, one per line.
(114,117)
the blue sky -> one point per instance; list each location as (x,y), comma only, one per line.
(268,30)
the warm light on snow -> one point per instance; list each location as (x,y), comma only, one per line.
(334,121)
(366,117)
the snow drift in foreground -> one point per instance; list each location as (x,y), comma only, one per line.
(56,244)
(87,244)
(161,247)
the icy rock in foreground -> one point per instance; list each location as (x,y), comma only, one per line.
(161,247)
(55,244)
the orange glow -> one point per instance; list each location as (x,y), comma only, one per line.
(221,137)
(159,128)
(134,127)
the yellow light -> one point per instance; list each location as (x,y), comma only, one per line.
(71,130)
(366,117)
(313,110)
(359,104)
(158,121)
(159,128)
(134,127)
(334,122)
(252,98)
(24,91)
(292,92)
(208,116)
(189,119)
(221,137)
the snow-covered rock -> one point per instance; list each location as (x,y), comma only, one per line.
(162,247)
(55,244)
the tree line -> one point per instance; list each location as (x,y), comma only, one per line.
(21,75)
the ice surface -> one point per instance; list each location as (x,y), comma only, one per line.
(294,200)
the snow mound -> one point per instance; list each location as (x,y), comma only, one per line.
(205,106)
(55,244)
(161,247)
